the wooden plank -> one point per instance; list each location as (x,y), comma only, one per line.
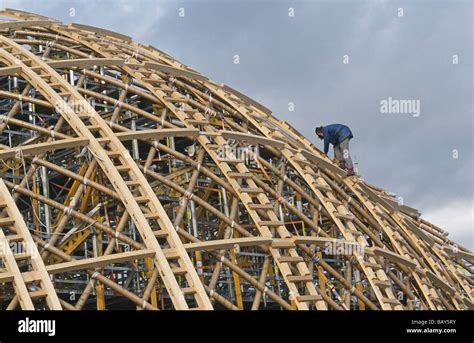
(151,47)
(18,24)
(99,262)
(309,298)
(5,71)
(10,263)
(410,211)
(323,163)
(419,232)
(31,276)
(375,198)
(246,99)
(391,301)
(271,223)
(469,304)
(157,134)
(253,206)
(36,262)
(393,257)
(299,278)
(465,255)
(86,62)
(282,243)
(6,277)
(459,254)
(253,139)
(438,282)
(174,71)
(102,32)
(5,222)
(40,148)
(11,12)
(227,243)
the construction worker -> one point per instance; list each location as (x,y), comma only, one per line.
(339,136)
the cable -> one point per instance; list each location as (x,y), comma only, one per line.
(67,233)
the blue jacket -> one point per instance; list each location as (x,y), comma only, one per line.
(335,134)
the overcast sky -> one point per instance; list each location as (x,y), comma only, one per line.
(299,59)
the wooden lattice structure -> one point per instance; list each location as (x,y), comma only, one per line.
(130,180)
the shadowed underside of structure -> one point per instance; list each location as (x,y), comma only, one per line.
(130,180)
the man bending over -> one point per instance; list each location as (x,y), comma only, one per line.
(339,136)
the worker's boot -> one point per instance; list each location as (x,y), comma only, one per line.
(350,172)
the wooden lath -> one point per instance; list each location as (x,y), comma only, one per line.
(36,273)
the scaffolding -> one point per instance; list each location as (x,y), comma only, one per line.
(131,181)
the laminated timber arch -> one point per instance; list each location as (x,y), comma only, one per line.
(113,153)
